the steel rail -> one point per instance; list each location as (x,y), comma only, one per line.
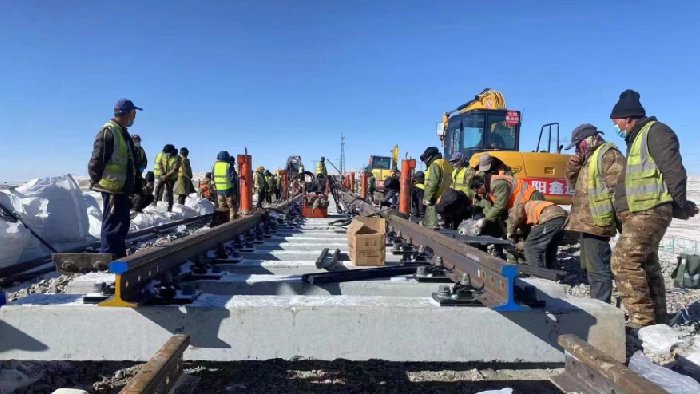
(588,370)
(162,371)
(494,276)
(134,272)
(25,270)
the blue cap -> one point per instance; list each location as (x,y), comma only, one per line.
(124,106)
(457,156)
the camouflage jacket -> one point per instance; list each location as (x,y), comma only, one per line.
(580,218)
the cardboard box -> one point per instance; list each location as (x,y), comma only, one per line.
(367,241)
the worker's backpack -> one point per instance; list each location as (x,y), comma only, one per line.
(487,99)
(687,273)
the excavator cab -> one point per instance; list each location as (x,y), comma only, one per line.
(484,124)
(481,130)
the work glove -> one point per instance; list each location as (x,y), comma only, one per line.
(684,210)
(478,227)
(428,203)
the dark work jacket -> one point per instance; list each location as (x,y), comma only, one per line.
(392,184)
(665,150)
(102,150)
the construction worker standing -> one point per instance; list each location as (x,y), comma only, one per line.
(113,173)
(278,182)
(158,173)
(417,193)
(462,174)
(651,190)
(140,158)
(438,178)
(271,186)
(371,186)
(260,185)
(170,163)
(183,186)
(321,167)
(593,172)
(545,222)
(226,183)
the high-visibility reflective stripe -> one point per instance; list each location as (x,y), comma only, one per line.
(520,191)
(114,172)
(644,183)
(221,180)
(600,198)
(533,210)
(158,167)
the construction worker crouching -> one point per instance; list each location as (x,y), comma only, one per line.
(651,190)
(593,172)
(206,189)
(496,193)
(543,222)
(438,178)
(113,173)
(392,188)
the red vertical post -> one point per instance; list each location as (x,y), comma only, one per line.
(245,174)
(363,185)
(407,167)
(352,182)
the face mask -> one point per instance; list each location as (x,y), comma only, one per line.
(620,132)
(131,123)
(137,144)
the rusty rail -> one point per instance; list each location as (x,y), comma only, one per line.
(588,370)
(162,371)
(134,272)
(495,276)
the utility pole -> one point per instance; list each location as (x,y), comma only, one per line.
(342,153)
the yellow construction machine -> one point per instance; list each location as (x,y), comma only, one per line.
(381,166)
(484,124)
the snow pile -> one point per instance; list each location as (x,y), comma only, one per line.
(671,381)
(659,340)
(53,207)
(158,215)
(68,218)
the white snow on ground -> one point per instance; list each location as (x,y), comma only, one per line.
(59,211)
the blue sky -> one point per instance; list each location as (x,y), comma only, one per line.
(286,77)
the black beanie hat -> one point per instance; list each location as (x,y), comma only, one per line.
(628,106)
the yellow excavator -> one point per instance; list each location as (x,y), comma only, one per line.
(485,124)
(381,166)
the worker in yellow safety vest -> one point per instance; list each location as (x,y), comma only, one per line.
(650,192)
(113,173)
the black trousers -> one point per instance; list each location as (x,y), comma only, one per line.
(159,191)
(115,223)
(169,185)
(542,244)
(595,259)
(391,198)
(141,201)
(181,199)
(417,207)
